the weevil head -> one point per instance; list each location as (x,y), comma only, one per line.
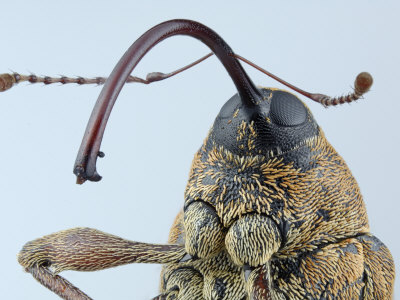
(250,149)
(273,159)
(279,123)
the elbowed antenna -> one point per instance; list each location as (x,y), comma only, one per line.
(8,80)
(362,84)
(85,164)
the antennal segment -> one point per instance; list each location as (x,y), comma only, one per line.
(362,84)
(8,80)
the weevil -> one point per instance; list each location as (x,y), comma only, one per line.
(271,211)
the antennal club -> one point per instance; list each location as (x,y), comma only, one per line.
(362,84)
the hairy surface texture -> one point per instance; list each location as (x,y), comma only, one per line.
(354,268)
(273,213)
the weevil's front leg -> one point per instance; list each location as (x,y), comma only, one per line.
(57,284)
(378,268)
(251,241)
(86,249)
(258,282)
(355,268)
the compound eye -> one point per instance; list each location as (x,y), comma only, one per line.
(287,109)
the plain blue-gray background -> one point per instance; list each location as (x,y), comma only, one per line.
(155,130)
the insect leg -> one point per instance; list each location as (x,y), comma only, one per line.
(258,282)
(86,249)
(204,232)
(182,282)
(354,268)
(379,268)
(57,284)
(252,240)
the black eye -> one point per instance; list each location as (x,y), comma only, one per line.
(287,109)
